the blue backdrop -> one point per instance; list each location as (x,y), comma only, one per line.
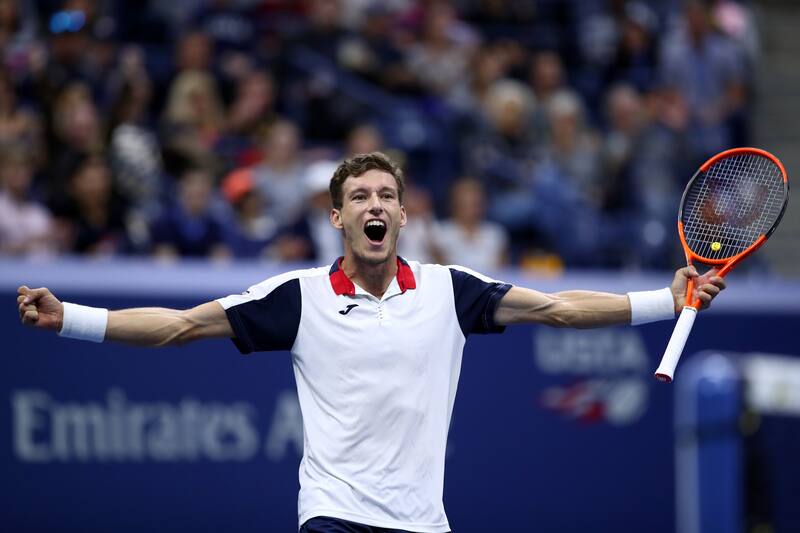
(553,430)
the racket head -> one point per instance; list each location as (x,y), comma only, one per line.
(731,206)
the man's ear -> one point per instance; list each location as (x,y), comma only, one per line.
(336,218)
(403,216)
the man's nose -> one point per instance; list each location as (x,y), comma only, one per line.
(375,204)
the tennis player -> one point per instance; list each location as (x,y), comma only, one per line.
(376,342)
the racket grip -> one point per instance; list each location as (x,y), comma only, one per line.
(672,354)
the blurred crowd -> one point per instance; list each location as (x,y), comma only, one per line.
(536,133)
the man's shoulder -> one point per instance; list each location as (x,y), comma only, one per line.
(417,265)
(451,271)
(301,273)
(272,285)
(422,268)
(462,272)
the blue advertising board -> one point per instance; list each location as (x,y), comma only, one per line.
(553,429)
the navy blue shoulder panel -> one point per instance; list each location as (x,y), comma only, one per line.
(476,301)
(270,323)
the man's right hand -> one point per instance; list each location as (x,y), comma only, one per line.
(39,308)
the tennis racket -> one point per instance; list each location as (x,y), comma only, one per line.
(729,209)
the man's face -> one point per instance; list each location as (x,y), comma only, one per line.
(371,216)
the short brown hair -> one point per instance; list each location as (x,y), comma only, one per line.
(356,166)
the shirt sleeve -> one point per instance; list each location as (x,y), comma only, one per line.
(266,317)
(476,299)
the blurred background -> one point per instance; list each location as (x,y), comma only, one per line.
(552,134)
(165,153)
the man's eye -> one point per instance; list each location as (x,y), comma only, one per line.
(388,196)
(359,197)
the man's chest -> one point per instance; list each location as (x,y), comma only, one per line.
(404,334)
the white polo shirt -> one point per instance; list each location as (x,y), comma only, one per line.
(376,379)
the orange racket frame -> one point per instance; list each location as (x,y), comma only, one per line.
(729,262)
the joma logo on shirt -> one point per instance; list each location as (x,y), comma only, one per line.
(347,309)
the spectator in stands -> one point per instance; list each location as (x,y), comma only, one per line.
(546,75)
(313,238)
(657,170)
(596,28)
(64,59)
(26,226)
(441,57)
(504,152)
(254,104)
(323,32)
(134,151)
(194,121)
(100,57)
(573,147)
(280,175)
(627,118)
(190,228)
(737,21)
(255,230)
(80,47)
(467,238)
(76,131)
(635,61)
(92,213)
(569,185)
(76,120)
(417,239)
(375,51)
(18,35)
(709,71)
(322,109)
(249,116)
(184,144)
(363,139)
(487,66)
(194,51)
(18,125)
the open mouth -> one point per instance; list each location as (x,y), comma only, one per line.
(375,230)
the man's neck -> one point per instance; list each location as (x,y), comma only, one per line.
(373,278)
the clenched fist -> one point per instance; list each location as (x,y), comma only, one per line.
(39,308)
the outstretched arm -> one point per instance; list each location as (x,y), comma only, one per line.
(146,326)
(590,309)
(577,309)
(156,326)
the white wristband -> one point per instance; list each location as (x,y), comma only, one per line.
(84,323)
(651,306)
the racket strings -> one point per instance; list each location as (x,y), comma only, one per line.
(720,221)
(732,204)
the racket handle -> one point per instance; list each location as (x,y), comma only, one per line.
(674,349)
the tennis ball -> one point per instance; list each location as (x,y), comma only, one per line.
(716,246)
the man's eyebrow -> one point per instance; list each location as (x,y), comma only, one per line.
(356,191)
(365,190)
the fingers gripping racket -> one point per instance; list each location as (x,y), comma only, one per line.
(729,209)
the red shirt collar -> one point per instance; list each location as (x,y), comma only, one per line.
(343,285)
